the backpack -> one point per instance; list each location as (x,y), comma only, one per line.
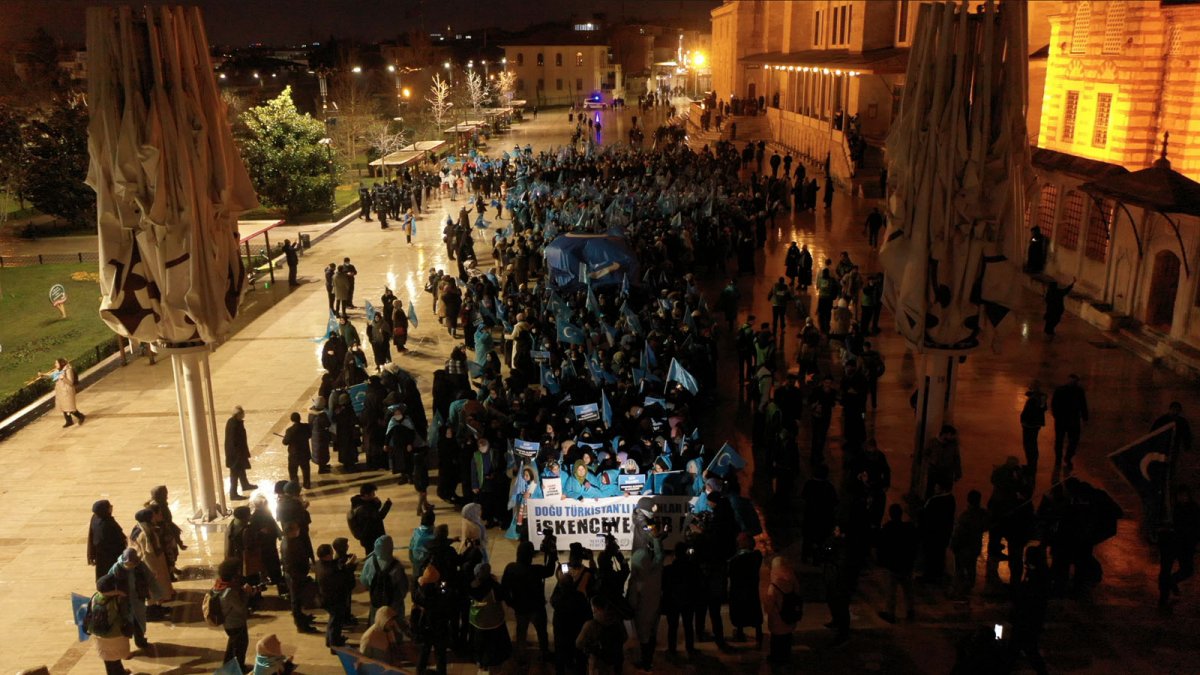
(381,586)
(354,521)
(96,620)
(211,609)
(791,607)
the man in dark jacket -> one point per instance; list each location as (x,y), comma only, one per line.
(335,590)
(897,554)
(524,584)
(237,453)
(1069,408)
(937,525)
(366,516)
(295,559)
(292,257)
(297,438)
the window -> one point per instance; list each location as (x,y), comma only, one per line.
(1080,28)
(578,58)
(541,59)
(1046,205)
(1099,222)
(1072,219)
(1114,27)
(817,26)
(558,59)
(1070,109)
(520,84)
(841,26)
(520,58)
(558,84)
(1174,38)
(1100,130)
(902,22)
(579,84)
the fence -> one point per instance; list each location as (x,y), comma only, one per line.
(48,259)
(31,392)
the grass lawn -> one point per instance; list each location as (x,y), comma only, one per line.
(32,334)
(343,195)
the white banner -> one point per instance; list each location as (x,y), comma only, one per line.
(586,521)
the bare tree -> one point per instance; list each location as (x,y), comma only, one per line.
(439,100)
(476,90)
(507,85)
(356,110)
(382,140)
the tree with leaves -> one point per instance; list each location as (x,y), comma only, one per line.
(288,157)
(15,164)
(507,85)
(439,101)
(57,155)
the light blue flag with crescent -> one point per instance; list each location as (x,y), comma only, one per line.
(727,458)
(567,368)
(569,333)
(631,319)
(412,314)
(370,311)
(610,333)
(358,396)
(677,373)
(650,358)
(79,605)
(474,370)
(331,326)
(606,411)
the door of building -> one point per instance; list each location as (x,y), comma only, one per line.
(750,92)
(1164,284)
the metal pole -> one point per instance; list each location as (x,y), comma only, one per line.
(270,262)
(187,449)
(933,393)
(215,451)
(190,356)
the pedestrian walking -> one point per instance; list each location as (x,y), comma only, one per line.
(1055,304)
(898,542)
(108,611)
(966,543)
(1033,418)
(297,438)
(65,382)
(1068,406)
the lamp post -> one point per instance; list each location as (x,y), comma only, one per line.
(449,72)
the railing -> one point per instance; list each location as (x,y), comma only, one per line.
(48,259)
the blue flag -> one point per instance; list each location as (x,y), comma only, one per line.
(549,381)
(79,605)
(370,311)
(606,411)
(584,277)
(649,361)
(474,369)
(231,667)
(624,285)
(727,458)
(412,314)
(593,305)
(610,333)
(1144,462)
(631,319)
(331,326)
(676,373)
(358,396)
(569,333)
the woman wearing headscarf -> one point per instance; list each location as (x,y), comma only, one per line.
(490,639)
(139,585)
(106,540)
(147,538)
(385,579)
(527,486)
(382,640)
(264,536)
(172,536)
(581,483)
(319,422)
(109,612)
(745,607)
(269,658)
(65,382)
(473,528)
(782,582)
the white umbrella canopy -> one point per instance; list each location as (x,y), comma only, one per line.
(959,171)
(169,181)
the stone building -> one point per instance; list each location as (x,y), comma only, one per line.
(563,68)
(1117,203)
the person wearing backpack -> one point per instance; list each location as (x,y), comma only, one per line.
(418,545)
(107,621)
(366,516)
(231,609)
(603,638)
(489,632)
(784,607)
(384,576)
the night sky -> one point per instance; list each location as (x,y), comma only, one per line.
(281,22)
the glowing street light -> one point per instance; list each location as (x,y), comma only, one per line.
(356,69)
(391,68)
(699,59)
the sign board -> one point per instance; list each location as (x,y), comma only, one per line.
(552,488)
(526,448)
(632,483)
(586,521)
(588,412)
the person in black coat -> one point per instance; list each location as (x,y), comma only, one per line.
(237,453)
(524,584)
(291,256)
(106,539)
(1055,298)
(897,554)
(335,588)
(297,438)
(366,516)
(937,526)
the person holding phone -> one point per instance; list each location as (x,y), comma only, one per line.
(524,585)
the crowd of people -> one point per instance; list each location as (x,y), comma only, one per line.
(595,382)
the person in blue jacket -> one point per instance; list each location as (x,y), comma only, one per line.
(581,483)
(525,487)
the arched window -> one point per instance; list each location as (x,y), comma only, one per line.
(1114,27)
(1080,27)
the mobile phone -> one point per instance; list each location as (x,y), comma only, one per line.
(998,629)
(565,567)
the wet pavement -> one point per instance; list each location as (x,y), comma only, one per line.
(131,443)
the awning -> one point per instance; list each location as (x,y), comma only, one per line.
(1080,167)
(409,154)
(464,128)
(888,61)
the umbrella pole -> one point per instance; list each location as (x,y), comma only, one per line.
(187,446)
(190,358)
(934,394)
(214,451)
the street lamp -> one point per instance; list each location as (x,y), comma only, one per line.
(356,69)
(449,71)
